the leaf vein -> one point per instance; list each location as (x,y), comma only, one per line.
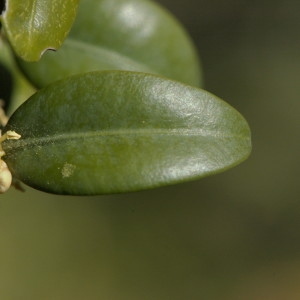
(31,141)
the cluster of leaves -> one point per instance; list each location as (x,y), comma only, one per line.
(120,106)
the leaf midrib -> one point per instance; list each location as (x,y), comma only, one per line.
(104,133)
(31,23)
(95,49)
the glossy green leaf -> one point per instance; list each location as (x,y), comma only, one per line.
(136,35)
(117,131)
(33,26)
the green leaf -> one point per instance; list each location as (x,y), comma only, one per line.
(33,26)
(134,35)
(117,131)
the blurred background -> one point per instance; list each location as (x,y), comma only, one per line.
(231,236)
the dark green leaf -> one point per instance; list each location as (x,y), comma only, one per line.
(134,35)
(33,26)
(117,131)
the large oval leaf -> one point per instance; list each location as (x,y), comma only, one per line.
(33,26)
(117,131)
(136,35)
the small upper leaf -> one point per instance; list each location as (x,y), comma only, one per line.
(134,35)
(33,26)
(117,131)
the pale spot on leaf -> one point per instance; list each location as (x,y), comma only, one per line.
(68,170)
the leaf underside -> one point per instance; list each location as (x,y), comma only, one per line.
(117,131)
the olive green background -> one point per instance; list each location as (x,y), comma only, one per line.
(231,236)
